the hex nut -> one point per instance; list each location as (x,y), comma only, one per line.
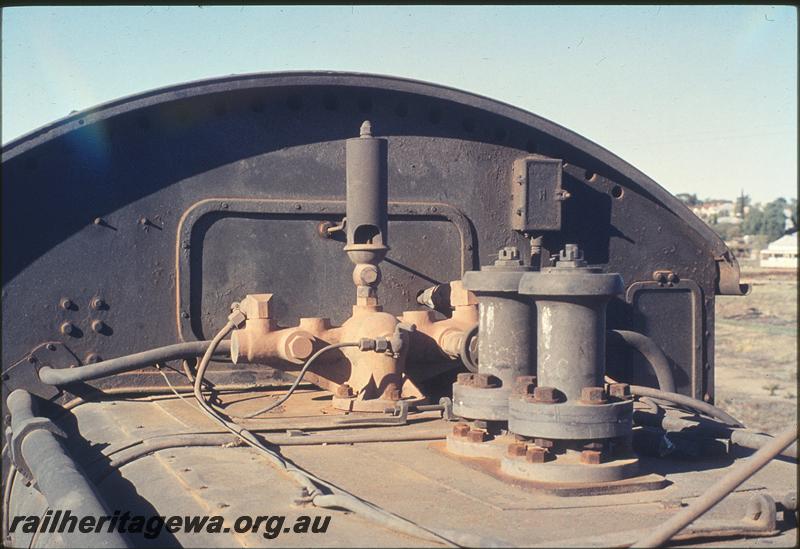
(535,454)
(485,381)
(344,391)
(299,346)
(464,378)
(524,385)
(593,395)
(545,395)
(476,435)
(366,274)
(591,457)
(620,390)
(460,430)
(517,449)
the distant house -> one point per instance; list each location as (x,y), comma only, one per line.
(781,253)
(713,209)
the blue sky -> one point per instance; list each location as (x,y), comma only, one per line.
(702,99)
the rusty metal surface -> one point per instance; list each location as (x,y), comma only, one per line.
(114,182)
(412,479)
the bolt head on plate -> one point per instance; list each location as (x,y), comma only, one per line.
(460,429)
(344,391)
(620,390)
(545,395)
(524,385)
(591,457)
(536,454)
(476,435)
(593,395)
(517,449)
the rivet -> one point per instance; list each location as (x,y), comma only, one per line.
(67,328)
(98,326)
(98,303)
(66,303)
(50,347)
(184,314)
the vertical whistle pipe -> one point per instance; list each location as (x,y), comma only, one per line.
(367,197)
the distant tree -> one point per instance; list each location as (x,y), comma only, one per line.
(769,221)
(728,231)
(793,207)
(688,199)
(741,203)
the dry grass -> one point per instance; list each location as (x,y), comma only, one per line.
(756,351)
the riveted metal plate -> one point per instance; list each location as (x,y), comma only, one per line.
(652,306)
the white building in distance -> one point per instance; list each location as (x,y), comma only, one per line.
(781,253)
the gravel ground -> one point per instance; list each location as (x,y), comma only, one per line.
(756,351)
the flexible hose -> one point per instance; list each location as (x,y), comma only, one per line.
(683,400)
(65,376)
(727,484)
(309,483)
(650,350)
(298,379)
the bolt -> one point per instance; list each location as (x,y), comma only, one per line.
(517,449)
(465,378)
(186,245)
(535,454)
(485,381)
(476,435)
(143,221)
(68,328)
(66,303)
(98,326)
(591,457)
(543,442)
(298,207)
(545,395)
(92,358)
(571,252)
(593,395)
(393,394)
(98,303)
(32,359)
(224,205)
(524,385)
(50,347)
(344,391)
(672,278)
(620,390)
(460,430)
(184,314)
(98,221)
(508,253)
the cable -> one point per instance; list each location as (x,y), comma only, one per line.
(309,483)
(65,376)
(298,379)
(12,475)
(727,484)
(683,400)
